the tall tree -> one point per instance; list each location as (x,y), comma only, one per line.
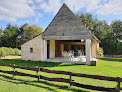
(9,36)
(1,31)
(88,20)
(117,29)
(28,32)
(101,30)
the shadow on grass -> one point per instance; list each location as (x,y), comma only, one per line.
(111,59)
(30,63)
(36,63)
(19,81)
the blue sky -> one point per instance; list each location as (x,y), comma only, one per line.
(41,12)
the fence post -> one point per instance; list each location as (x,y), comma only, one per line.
(118,84)
(14,70)
(70,78)
(38,69)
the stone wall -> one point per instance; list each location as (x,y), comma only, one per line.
(35,44)
(94,47)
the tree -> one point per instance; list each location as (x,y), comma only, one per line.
(117,29)
(1,31)
(9,36)
(101,30)
(28,32)
(88,20)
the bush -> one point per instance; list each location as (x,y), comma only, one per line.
(17,52)
(2,52)
(100,51)
(12,52)
(7,50)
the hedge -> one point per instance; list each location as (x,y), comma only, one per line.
(4,51)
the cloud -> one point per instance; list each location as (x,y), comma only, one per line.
(11,10)
(76,5)
(51,6)
(37,17)
(38,1)
(112,7)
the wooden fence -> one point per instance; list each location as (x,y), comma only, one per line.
(70,81)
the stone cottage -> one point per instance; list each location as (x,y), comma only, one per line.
(64,34)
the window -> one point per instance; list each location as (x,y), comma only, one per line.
(31,50)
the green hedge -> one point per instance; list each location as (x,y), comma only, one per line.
(4,51)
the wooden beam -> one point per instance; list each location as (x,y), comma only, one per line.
(73,43)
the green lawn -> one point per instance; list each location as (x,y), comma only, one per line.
(106,66)
(11,57)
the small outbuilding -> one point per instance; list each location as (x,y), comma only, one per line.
(65,39)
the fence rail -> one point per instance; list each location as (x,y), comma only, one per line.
(70,81)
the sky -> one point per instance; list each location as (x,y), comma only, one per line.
(41,12)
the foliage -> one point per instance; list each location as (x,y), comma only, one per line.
(119,48)
(9,36)
(17,52)
(100,51)
(117,29)
(28,32)
(109,35)
(14,36)
(4,51)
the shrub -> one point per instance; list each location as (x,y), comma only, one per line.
(2,52)
(7,50)
(17,52)
(12,52)
(100,51)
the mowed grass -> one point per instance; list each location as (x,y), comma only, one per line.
(105,66)
(11,57)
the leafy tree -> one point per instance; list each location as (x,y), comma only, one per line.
(9,36)
(119,48)
(1,31)
(117,29)
(101,30)
(88,20)
(28,32)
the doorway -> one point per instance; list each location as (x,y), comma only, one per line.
(48,51)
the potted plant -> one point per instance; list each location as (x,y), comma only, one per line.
(99,53)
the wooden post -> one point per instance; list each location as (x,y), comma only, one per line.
(14,70)
(37,72)
(118,84)
(70,78)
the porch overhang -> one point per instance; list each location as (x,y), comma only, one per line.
(77,37)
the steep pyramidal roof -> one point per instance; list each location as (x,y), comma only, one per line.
(66,26)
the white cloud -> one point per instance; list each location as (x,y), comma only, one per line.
(37,17)
(30,2)
(76,5)
(51,6)
(11,10)
(112,7)
(38,1)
